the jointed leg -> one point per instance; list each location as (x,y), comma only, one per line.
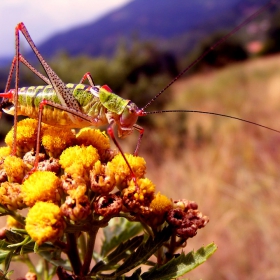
(141,134)
(87,76)
(110,131)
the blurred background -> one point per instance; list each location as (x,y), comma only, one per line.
(228,167)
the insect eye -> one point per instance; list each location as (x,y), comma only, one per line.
(96,89)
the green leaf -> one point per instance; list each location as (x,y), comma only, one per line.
(4,245)
(13,237)
(8,260)
(145,251)
(118,233)
(3,256)
(122,251)
(54,257)
(180,265)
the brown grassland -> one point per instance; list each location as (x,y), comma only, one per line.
(230,168)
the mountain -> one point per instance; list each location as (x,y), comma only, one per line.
(173,24)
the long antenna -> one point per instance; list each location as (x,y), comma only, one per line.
(245,22)
(208,113)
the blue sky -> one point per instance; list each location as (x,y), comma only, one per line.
(45,18)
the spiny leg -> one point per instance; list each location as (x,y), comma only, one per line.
(110,131)
(64,94)
(39,127)
(87,76)
(140,129)
(15,67)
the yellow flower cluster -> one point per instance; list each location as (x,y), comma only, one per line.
(79,178)
(41,186)
(44,222)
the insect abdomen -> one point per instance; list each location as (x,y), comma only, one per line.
(29,99)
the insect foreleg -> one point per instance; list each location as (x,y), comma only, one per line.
(110,131)
(140,129)
(40,117)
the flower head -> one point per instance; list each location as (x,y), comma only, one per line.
(26,136)
(12,223)
(119,167)
(55,140)
(137,197)
(159,208)
(44,222)
(85,156)
(41,186)
(5,151)
(15,169)
(94,137)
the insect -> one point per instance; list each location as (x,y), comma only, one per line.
(79,105)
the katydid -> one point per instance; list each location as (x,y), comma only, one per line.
(80,105)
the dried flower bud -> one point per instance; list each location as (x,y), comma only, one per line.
(69,184)
(102,180)
(29,157)
(51,164)
(185,204)
(3,176)
(186,223)
(76,208)
(11,196)
(108,205)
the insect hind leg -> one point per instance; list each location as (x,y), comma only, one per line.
(87,76)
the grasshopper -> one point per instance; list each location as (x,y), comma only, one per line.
(80,105)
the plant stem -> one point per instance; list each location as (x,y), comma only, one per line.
(90,246)
(46,269)
(73,254)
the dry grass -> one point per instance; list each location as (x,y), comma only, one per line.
(228,167)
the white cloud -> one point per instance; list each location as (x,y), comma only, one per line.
(44,18)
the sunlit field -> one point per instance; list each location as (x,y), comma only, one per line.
(230,168)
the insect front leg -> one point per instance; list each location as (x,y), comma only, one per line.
(140,129)
(110,131)
(42,105)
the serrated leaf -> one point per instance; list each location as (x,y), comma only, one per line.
(118,233)
(180,265)
(145,251)
(121,252)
